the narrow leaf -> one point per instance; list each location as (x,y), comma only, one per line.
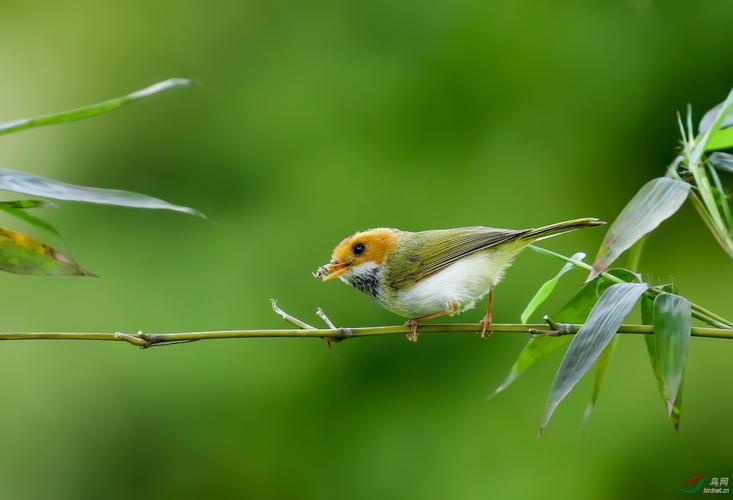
(656,201)
(91,110)
(575,311)
(17,208)
(34,185)
(672,318)
(24,204)
(32,220)
(547,288)
(22,254)
(647,317)
(604,361)
(598,330)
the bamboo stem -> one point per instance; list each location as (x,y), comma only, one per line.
(157,339)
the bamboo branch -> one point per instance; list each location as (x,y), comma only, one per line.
(333,333)
(145,340)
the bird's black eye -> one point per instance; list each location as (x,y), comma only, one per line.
(359,248)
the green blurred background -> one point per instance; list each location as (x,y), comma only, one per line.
(311,121)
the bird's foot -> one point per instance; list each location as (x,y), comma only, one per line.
(413,324)
(485,326)
(489,316)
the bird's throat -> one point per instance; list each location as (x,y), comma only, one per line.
(365,277)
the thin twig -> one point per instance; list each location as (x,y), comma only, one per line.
(290,319)
(321,314)
(333,333)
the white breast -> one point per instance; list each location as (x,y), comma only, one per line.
(457,287)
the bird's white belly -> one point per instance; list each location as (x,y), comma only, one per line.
(457,287)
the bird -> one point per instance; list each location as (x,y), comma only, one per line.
(427,274)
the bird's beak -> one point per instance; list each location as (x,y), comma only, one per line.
(331,270)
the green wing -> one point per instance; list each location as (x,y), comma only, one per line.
(428,252)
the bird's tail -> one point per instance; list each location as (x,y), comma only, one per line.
(541,233)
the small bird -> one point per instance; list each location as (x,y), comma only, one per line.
(428,274)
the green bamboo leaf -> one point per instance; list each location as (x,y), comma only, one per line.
(35,185)
(672,318)
(32,220)
(547,288)
(598,330)
(656,201)
(722,139)
(22,254)
(24,204)
(18,209)
(575,311)
(604,361)
(647,317)
(92,110)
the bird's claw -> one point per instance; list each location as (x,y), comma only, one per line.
(413,324)
(486,327)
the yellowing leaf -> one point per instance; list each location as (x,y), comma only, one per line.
(22,254)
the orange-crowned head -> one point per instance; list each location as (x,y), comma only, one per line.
(371,246)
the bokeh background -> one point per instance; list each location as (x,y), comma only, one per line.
(311,121)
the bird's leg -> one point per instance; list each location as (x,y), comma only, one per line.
(415,322)
(486,322)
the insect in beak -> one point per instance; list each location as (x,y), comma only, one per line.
(330,271)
